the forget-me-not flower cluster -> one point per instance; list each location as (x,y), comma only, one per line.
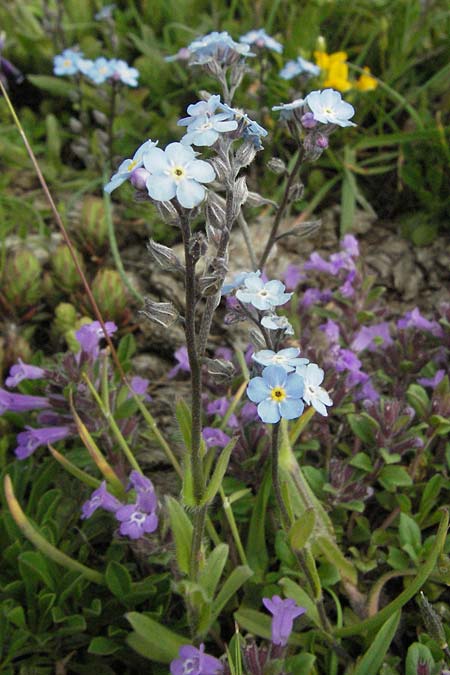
(100,70)
(261,40)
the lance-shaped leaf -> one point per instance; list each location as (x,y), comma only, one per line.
(373,658)
(152,640)
(215,482)
(237,578)
(210,575)
(182,531)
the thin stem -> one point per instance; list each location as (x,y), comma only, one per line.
(112,114)
(248,240)
(64,233)
(285,518)
(228,510)
(197,538)
(281,209)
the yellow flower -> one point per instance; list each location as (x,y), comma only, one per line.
(366,82)
(337,76)
(336,69)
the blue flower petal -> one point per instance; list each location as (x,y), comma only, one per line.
(268,411)
(291,408)
(274,376)
(295,386)
(257,390)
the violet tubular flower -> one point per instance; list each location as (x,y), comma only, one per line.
(23,371)
(89,336)
(135,523)
(146,497)
(283,614)
(31,439)
(215,438)
(193,661)
(181,355)
(100,498)
(21,402)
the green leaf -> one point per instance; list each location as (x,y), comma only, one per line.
(256,548)
(392,477)
(182,531)
(118,579)
(418,398)
(36,562)
(53,139)
(126,348)
(215,481)
(237,578)
(153,640)
(362,461)
(103,646)
(430,496)
(418,653)
(364,427)
(54,85)
(259,624)
(409,533)
(210,575)
(374,656)
(301,530)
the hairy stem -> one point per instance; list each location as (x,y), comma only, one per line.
(281,210)
(285,518)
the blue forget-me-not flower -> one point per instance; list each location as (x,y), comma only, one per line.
(277,393)
(328,107)
(127,167)
(262,295)
(299,67)
(175,172)
(204,125)
(286,358)
(260,39)
(314,394)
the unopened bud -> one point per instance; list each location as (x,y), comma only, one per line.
(276,165)
(198,246)
(162,313)
(168,212)
(308,120)
(221,370)
(257,339)
(164,256)
(209,285)
(240,194)
(245,154)
(296,191)
(75,125)
(215,210)
(100,118)
(432,621)
(138,178)
(65,318)
(220,167)
(255,199)
(322,141)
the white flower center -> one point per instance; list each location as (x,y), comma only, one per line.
(263,293)
(137,518)
(132,164)
(188,666)
(279,358)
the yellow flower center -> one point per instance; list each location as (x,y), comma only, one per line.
(67,63)
(132,165)
(278,394)
(177,172)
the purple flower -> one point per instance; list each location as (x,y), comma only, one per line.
(134,522)
(193,661)
(347,289)
(20,402)
(283,614)
(318,264)
(314,295)
(249,412)
(181,356)
(367,392)
(331,330)
(224,353)
(32,438)
(368,337)
(292,277)
(350,245)
(23,371)
(90,334)
(100,498)
(146,497)
(215,438)
(346,360)
(139,385)
(414,319)
(432,381)
(220,407)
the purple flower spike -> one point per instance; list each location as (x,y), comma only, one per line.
(20,402)
(215,438)
(368,336)
(140,385)
(194,661)
(146,497)
(90,334)
(32,438)
(23,371)
(432,381)
(414,319)
(134,523)
(283,614)
(100,498)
